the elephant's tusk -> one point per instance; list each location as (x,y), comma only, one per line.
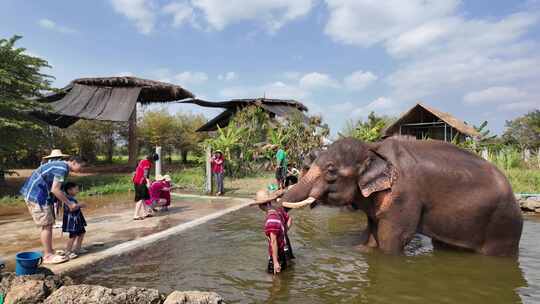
(308,201)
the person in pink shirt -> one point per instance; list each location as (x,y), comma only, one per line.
(217,162)
(166,193)
(159,186)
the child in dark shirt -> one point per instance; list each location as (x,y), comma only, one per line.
(73,222)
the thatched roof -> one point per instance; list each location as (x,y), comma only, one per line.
(452,121)
(151,90)
(106,98)
(276,107)
(235,103)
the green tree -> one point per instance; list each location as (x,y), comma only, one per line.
(302,135)
(157,128)
(524,131)
(369,130)
(187,139)
(21,80)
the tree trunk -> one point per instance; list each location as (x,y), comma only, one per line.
(110,149)
(2,177)
(132,139)
(184,156)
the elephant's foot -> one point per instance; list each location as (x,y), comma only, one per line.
(372,242)
(368,246)
(364,248)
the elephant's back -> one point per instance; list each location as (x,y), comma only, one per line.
(437,163)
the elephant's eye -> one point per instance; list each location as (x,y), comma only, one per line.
(331,173)
(331,168)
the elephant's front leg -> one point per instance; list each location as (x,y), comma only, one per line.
(369,240)
(394,233)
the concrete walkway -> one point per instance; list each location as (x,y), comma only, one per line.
(111,229)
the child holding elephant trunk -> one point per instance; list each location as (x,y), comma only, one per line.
(276,224)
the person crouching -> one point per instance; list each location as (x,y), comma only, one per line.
(274,230)
(165,193)
(158,187)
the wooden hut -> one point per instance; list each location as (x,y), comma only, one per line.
(423,122)
(108,99)
(276,108)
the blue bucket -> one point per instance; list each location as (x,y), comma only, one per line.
(27,262)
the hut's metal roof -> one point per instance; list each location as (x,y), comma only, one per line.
(443,116)
(278,107)
(106,98)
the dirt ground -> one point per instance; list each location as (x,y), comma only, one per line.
(110,222)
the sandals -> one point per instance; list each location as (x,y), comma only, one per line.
(55,259)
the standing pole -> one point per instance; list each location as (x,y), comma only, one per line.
(132,138)
(208,183)
(158,162)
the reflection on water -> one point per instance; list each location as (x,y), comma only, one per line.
(229,256)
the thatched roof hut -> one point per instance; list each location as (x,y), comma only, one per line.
(108,99)
(275,107)
(422,121)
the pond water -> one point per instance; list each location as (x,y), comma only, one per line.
(228,256)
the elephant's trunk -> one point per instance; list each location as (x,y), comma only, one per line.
(301,191)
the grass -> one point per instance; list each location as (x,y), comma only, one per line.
(192,180)
(189,180)
(524,180)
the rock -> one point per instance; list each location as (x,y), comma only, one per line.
(26,292)
(529,204)
(81,294)
(135,295)
(90,294)
(5,281)
(194,297)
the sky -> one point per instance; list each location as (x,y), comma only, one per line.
(477,60)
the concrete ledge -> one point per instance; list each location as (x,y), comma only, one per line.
(123,248)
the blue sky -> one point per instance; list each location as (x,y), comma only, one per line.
(476,59)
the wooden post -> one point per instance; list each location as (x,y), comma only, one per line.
(208,183)
(158,162)
(132,139)
(485,154)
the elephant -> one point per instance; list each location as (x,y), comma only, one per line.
(406,186)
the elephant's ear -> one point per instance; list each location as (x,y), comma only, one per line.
(376,174)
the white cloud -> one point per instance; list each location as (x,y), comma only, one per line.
(51,25)
(367,22)
(359,80)
(276,89)
(381,105)
(139,11)
(316,80)
(442,52)
(229,76)
(292,75)
(216,14)
(124,74)
(274,14)
(191,78)
(182,13)
(495,95)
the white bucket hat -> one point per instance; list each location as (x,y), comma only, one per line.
(167,177)
(56,153)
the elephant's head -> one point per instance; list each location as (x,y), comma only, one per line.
(348,171)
